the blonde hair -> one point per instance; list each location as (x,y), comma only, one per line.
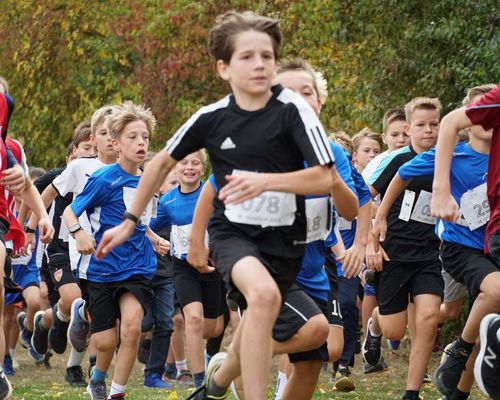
(320,84)
(368,134)
(99,116)
(344,140)
(422,103)
(477,91)
(4,83)
(231,23)
(394,114)
(126,113)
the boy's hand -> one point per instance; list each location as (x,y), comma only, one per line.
(353,260)
(85,244)
(29,243)
(445,207)
(161,246)
(242,187)
(375,259)
(198,257)
(379,231)
(45,230)
(13,179)
(114,237)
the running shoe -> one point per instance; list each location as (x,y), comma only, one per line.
(74,376)
(5,387)
(371,347)
(58,333)
(40,337)
(97,390)
(450,369)
(344,382)
(487,365)
(78,327)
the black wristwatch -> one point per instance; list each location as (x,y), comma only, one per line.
(73,229)
(27,229)
(132,217)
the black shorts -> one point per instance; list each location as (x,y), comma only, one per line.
(227,251)
(399,282)
(60,270)
(45,276)
(4,228)
(103,299)
(494,246)
(333,312)
(467,265)
(192,286)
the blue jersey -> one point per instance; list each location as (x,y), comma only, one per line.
(468,171)
(176,210)
(106,196)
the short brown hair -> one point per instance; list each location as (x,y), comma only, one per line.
(476,91)
(126,113)
(231,23)
(422,103)
(99,116)
(344,140)
(366,133)
(394,114)
(5,84)
(36,172)
(82,133)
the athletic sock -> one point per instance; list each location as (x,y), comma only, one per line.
(181,364)
(372,333)
(92,359)
(75,358)
(39,325)
(199,378)
(459,395)
(170,368)
(117,389)
(62,317)
(411,395)
(12,352)
(214,389)
(281,383)
(98,375)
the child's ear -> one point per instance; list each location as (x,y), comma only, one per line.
(222,69)
(406,128)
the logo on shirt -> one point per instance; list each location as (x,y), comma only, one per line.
(227,144)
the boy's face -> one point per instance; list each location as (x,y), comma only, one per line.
(190,169)
(367,150)
(133,142)
(478,131)
(396,137)
(301,82)
(423,129)
(170,182)
(252,65)
(103,141)
(84,149)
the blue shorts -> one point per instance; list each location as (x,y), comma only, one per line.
(369,290)
(25,276)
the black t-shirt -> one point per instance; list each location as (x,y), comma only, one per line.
(58,244)
(277,138)
(407,240)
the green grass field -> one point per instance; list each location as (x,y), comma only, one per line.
(32,382)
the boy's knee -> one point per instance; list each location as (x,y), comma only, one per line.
(194,322)
(130,332)
(266,298)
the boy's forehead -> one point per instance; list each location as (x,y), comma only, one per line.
(85,142)
(294,79)
(251,40)
(424,114)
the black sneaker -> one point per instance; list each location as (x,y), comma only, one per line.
(379,367)
(371,347)
(450,370)
(5,387)
(40,337)
(487,365)
(97,390)
(58,333)
(74,376)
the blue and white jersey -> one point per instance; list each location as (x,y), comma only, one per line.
(108,193)
(385,162)
(176,209)
(468,175)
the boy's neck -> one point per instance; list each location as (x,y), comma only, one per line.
(250,102)
(481,146)
(130,167)
(419,149)
(189,187)
(106,159)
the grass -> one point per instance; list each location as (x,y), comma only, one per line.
(32,382)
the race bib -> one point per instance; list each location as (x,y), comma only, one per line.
(267,209)
(317,219)
(344,225)
(406,205)
(179,237)
(128,198)
(422,210)
(475,207)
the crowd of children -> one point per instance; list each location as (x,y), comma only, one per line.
(294,240)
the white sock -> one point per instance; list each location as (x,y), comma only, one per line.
(61,316)
(371,330)
(181,365)
(281,383)
(116,389)
(12,352)
(75,358)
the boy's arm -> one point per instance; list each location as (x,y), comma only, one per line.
(313,180)
(160,245)
(198,252)
(343,197)
(443,205)
(14,179)
(85,244)
(32,198)
(153,177)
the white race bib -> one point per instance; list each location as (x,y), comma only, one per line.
(179,236)
(422,210)
(128,198)
(406,205)
(267,209)
(344,225)
(475,207)
(317,219)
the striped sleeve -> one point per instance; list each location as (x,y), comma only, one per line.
(307,131)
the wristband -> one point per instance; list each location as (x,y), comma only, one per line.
(132,217)
(27,229)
